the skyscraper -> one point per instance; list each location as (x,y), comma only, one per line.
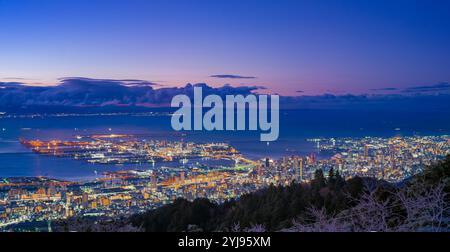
(298,167)
(85,200)
(67,205)
(182,177)
(154,180)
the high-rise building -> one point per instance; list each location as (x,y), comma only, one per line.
(154,180)
(298,168)
(366,151)
(85,200)
(67,206)
(51,190)
(182,177)
(312,159)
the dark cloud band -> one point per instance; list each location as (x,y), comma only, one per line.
(231,76)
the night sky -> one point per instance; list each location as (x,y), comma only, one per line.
(287,46)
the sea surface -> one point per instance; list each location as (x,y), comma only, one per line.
(295,128)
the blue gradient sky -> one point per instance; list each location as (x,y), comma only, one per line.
(313,46)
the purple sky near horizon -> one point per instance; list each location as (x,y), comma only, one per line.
(313,46)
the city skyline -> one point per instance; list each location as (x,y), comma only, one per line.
(128,192)
(224,116)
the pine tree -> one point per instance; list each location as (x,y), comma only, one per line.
(331,177)
(340,181)
(319,180)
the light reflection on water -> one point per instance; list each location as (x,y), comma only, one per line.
(295,128)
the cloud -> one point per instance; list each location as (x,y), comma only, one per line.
(231,76)
(87,92)
(384,89)
(299,91)
(13,78)
(123,82)
(444,86)
(416,102)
